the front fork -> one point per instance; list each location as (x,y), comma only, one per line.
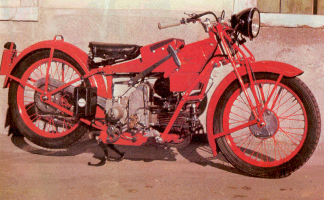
(259,108)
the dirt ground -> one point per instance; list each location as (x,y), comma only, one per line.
(147,172)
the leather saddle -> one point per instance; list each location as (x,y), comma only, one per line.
(114,51)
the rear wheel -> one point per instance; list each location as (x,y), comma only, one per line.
(291,133)
(39,122)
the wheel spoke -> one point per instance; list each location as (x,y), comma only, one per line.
(280,102)
(56,72)
(291,115)
(265,150)
(276,99)
(237,121)
(280,144)
(246,148)
(246,134)
(38,120)
(301,129)
(30,105)
(273,90)
(249,112)
(277,147)
(244,102)
(33,116)
(256,149)
(240,116)
(41,73)
(289,136)
(243,140)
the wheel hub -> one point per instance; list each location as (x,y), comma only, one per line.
(270,128)
(44,106)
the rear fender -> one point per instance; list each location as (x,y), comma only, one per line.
(77,54)
(261,66)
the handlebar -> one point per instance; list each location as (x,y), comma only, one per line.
(169,24)
(176,23)
(193,18)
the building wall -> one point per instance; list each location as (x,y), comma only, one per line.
(28,10)
(26,22)
(139,4)
(104,20)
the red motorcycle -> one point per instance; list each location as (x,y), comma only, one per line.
(264,120)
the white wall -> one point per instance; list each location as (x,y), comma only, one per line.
(19,10)
(201,5)
(239,5)
(28,10)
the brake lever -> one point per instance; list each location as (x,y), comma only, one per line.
(222,17)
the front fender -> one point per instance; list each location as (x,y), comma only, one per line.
(261,66)
(77,54)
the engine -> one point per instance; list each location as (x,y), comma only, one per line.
(148,110)
(132,110)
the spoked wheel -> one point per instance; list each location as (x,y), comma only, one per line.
(289,137)
(39,122)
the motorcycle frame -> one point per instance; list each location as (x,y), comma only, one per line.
(243,63)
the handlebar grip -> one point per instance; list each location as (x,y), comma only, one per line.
(168,24)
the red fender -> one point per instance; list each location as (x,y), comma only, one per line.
(77,54)
(261,66)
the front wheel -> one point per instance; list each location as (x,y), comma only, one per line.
(39,122)
(291,133)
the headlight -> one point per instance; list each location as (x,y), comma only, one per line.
(247,22)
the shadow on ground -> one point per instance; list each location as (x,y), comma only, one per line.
(197,152)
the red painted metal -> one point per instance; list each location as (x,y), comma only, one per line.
(158,50)
(125,141)
(8,57)
(179,82)
(47,75)
(197,62)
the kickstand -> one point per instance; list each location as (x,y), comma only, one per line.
(104,146)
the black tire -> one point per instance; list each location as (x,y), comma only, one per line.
(71,129)
(257,161)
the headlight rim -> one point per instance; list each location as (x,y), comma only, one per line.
(252,12)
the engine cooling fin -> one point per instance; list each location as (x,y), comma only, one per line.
(181,121)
